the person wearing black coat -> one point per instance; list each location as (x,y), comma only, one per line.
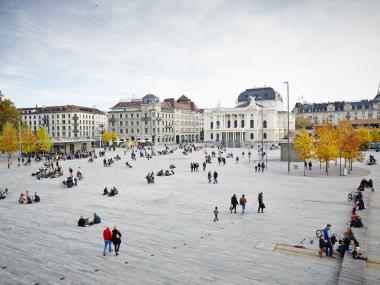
(261,203)
(116,239)
(234,203)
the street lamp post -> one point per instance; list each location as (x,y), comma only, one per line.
(287,92)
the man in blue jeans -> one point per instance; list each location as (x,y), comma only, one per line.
(327,237)
(107,235)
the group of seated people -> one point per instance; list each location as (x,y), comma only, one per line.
(150,177)
(107,162)
(349,244)
(82,222)
(70,182)
(117,157)
(366,184)
(46,173)
(165,173)
(28,199)
(110,193)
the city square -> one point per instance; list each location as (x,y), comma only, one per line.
(168,233)
(189,142)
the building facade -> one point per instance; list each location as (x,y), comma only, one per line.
(150,120)
(259,116)
(364,113)
(71,127)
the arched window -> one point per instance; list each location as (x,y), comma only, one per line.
(265,136)
(212,136)
(265,124)
(251,124)
(252,137)
(228,124)
(212,125)
(242,123)
(235,124)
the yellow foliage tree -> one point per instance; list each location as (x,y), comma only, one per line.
(9,141)
(106,136)
(304,143)
(375,136)
(29,142)
(114,136)
(302,122)
(349,143)
(44,142)
(364,137)
(327,145)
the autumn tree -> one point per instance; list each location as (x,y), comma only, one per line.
(302,122)
(44,142)
(349,143)
(375,136)
(114,136)
(8,112)
(364,137)
(327,144)
(29,141)
(304,143)
(106,136)
(9,141)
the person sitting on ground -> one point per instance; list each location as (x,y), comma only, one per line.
(128,165)
(360,204)
(113,192)
(106,192)
(36,197)
(29,199)
(96,220)
(160,173)
(22,199)
(356,221)
(82,222)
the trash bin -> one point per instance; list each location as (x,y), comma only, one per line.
(295,166)
(345,172)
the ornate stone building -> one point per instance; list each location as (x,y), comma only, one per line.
(364,113)
(149,119)
(259,115)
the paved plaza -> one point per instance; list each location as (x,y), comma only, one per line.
(169,236)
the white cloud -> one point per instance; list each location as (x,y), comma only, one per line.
(209,50)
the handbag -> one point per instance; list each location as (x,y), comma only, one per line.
(263,206)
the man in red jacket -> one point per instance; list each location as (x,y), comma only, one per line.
(107,235)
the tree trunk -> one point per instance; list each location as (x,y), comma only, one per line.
(9,160)
(304,168)
(327,169)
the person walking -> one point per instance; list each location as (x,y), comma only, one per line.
(234,203)
(209,176)
(243,201)
(310,165)
(107,235)
(261,203)
(215,177)
(262,166)
(204,166)
(116,239)
(237,160)
(216,212)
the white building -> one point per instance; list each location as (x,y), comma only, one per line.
(149,119)
(259,115)
(71,127)
(364,113)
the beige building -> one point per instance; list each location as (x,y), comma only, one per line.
(150,120)
(71,127)
(364,113)
(259,116)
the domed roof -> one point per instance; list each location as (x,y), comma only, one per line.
(265,93)
(150,99)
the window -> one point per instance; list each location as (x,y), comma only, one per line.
(265,136)
(212,125)
(252,137)
(217,124)
(265,125)
(242,123)
(126,131)
(235,124)
(251,124)
(212,136)
(121,116)
(228,124)
(146,130)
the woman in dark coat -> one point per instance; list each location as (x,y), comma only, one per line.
(116,239)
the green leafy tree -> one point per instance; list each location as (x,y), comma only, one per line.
(9,141)
(8,112)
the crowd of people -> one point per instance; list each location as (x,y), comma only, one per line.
(26,198)
(110,193)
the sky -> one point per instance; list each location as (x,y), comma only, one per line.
(96,52)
